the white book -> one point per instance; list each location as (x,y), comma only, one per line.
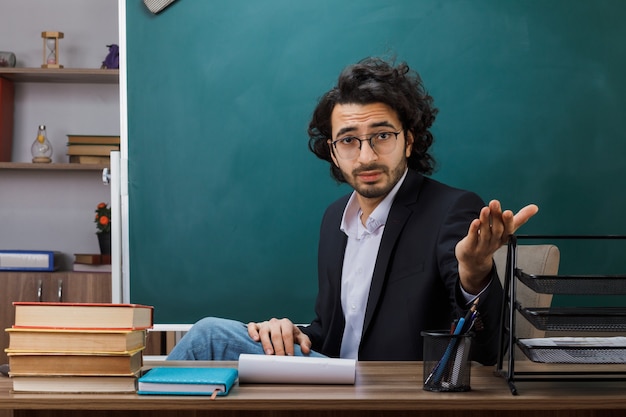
(28,260)
(78,267)
(74,384)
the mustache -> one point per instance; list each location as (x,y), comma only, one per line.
(370,167)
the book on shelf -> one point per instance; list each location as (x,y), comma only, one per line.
(187,381)
(92,262)
(74,384)
(90,159)
(82,315)
(92,258)
(85,341)
(7,107)
(29,260)
(24,363)
(93,139)
(78,267)
(93,150)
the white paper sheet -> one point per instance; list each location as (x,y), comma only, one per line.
(295,370)
(573,342)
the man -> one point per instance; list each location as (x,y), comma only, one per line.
(401,254)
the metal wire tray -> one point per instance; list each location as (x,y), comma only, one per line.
(608,319)
(574,284)
(575,354)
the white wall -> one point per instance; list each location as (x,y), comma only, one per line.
(49,209)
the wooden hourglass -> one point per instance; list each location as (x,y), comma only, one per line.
(51,49)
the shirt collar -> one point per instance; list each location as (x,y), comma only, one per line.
(350,222)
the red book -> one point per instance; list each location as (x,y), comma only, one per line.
(6,119)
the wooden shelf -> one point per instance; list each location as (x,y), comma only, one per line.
(51,167)
(61,75)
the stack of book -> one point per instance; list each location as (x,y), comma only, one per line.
(92,262)
(91,149)
(77,347)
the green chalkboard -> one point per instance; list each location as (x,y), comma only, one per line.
(224,197)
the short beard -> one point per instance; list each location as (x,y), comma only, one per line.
(376,191)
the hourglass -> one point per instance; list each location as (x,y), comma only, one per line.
(51,49)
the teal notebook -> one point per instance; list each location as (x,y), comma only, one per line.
(187,381)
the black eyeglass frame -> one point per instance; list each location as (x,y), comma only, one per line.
(369,139)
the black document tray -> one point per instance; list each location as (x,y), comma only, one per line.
(598,354)
(608,319)
(572,284)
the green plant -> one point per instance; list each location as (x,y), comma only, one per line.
(103,218)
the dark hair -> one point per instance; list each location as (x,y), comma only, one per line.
(374,80)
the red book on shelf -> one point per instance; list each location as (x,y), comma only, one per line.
(82,315)
(6,119)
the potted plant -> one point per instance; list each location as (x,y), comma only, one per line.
(103,226)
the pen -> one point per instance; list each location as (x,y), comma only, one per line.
(441,365)
(473,320)
(471,315)
(453,326)
(461,351)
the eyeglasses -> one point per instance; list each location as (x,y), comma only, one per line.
(382,143)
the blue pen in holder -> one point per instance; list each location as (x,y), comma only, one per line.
(446,361)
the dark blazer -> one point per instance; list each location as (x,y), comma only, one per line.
(415,281)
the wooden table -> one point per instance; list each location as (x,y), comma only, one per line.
(382,388)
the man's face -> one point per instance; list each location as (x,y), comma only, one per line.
(371,175)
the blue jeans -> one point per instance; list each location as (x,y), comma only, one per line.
(218,339)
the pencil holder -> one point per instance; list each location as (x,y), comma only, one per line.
(446,361)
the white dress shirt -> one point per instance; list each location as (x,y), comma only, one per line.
(358,265)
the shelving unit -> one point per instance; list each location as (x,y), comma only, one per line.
(563,359)
(51,167)
(23,172)
(61,75)
(62,285)
(58,75)
(51,206)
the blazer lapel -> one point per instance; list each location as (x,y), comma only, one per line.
(398,215)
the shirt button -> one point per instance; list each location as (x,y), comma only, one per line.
(353,307)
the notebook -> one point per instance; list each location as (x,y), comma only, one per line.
(187,381)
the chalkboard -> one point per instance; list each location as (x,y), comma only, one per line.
(224,197)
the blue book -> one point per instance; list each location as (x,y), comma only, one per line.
(187,381)
(29,260)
